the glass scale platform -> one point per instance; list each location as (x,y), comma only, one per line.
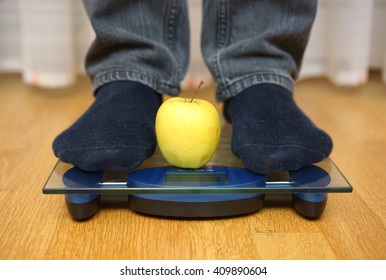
(222,188)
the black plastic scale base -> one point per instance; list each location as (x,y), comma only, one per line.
(223,188)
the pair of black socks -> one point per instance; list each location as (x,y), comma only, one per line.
(270,133)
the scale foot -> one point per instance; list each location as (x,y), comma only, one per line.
(310,205)
(82,206)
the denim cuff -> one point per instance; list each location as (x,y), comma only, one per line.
(112,75)
(234,87)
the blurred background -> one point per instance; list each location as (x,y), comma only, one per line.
(46,41)
(43,90)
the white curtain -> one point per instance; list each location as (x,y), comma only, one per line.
(348,38)
(46,41)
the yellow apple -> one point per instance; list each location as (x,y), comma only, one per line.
(188,131)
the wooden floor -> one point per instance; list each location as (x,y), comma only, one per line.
(37,226)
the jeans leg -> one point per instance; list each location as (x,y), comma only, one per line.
(141,41)
(247,42)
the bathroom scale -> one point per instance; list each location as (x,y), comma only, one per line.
(222,188)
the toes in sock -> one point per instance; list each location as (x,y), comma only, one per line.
(270,132)
(116,133)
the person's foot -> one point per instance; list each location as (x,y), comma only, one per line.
(116,133)
(270,132)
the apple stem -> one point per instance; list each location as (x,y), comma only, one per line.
(201,83)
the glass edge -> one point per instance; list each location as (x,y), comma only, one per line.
(262,190)
(49,178)
(341,174)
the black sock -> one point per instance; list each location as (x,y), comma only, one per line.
(270,133)
(116,133)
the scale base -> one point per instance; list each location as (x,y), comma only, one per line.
(197,210)
(215,209)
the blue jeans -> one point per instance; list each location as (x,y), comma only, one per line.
(244,42)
